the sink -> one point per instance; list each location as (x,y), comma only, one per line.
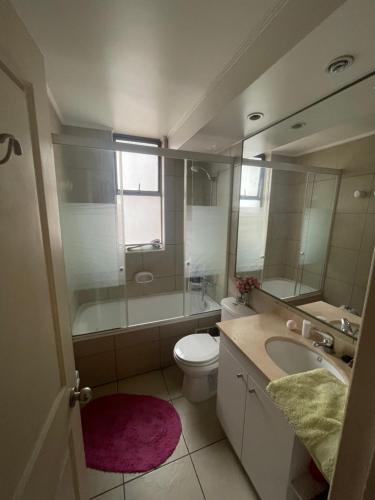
(293,357)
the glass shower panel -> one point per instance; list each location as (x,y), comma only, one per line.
(319,207)
(207,205)
(92,238)
(252,220)
(286,209)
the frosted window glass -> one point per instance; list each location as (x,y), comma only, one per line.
(142,219)
(250,179)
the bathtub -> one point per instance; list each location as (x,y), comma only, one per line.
(283,288)
(111,314)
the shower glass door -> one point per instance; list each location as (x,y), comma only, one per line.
(92,238)
(207,203)
(320,199)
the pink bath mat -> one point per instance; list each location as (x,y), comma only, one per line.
(129,433)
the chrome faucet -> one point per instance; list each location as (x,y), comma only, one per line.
(205,283)
(326,343)
(348,328)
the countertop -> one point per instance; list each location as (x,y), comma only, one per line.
(251,333)
(330,312)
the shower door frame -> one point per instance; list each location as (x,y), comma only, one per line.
(98,144)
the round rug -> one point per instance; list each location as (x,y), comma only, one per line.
(129,433)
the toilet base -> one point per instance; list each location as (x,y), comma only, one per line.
(198,389)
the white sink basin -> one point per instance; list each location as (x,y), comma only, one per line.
(295,358)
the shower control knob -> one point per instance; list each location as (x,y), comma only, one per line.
(121,269)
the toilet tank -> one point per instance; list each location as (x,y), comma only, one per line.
(232,310)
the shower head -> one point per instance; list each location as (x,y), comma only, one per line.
(197,169)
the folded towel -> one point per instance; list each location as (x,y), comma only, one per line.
(314,404)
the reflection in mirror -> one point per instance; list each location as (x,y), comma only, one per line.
(307,236)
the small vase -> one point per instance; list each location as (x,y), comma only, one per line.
(242,298)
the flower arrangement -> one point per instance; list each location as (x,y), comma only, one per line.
(244,285)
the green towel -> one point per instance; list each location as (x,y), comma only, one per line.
(314,404)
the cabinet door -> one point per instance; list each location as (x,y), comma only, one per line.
(231,397)
(267,445)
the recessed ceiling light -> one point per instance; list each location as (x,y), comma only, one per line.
(257,115)
(340,64)
(298,125)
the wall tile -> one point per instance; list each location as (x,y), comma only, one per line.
(368,240)
(169,193)
(358,299)
(346,201)
(161,263)
(89,347)
(347,230)
(342,264)
(337,292)
(179,194)
(170,227)
(180,328)
(166,350)
(136,337)
(133,264)
(97,369)
(137,359)
(209,321)
(179,223)
(363,268)
(159,285)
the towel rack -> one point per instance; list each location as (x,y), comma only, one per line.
(13,147)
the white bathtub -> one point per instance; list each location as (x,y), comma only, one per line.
(285,288)
(110,314)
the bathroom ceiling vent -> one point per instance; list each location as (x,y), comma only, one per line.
(298,125)
(253,117)
(340,64)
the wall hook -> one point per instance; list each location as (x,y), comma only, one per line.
(13,147)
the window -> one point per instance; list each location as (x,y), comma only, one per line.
(252,182)
(139,179)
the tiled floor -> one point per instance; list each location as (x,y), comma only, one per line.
(203,466)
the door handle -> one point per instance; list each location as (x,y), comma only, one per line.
(83,395)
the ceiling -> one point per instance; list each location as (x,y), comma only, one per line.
(297,80)
(348,114)
(172,67)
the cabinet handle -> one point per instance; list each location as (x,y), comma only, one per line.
(252,391)
(239,375)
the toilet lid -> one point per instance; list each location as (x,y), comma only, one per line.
(197,348)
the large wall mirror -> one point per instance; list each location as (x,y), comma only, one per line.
(306,222)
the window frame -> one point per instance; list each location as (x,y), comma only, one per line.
(259,195)
(131,192)
(144,140)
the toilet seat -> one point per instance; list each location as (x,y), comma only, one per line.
(198,349)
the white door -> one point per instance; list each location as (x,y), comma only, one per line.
(41,452)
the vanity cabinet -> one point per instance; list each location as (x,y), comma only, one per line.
(267,444)
(257,430)
(231,398)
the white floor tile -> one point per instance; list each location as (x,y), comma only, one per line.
(200,424)
(221,474)
(115,494)
(173,378)
(149,384)
(99,481)
(176,480)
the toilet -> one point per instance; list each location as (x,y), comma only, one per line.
(197,355)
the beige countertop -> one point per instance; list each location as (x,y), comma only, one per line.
(251,333)
(330,312)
